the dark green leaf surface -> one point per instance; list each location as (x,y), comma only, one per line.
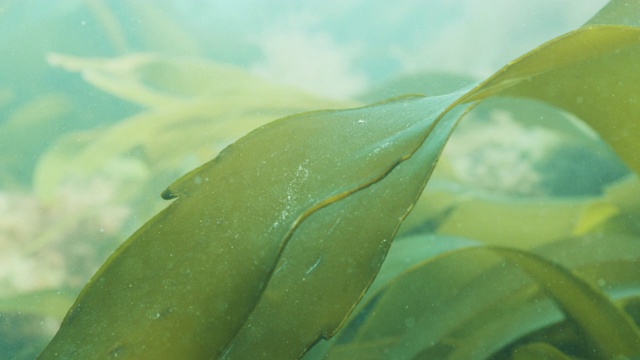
(335,254)
(539,351)
(609,331)
(189,278)
(473,297)
(617,12)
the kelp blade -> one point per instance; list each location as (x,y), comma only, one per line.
(468,294)
(172,278)
(609,332)
(607,99)
(539,351)
(336,253)
(474,297)
(617,12)
(185,282)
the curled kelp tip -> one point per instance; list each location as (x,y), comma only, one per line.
(167,194)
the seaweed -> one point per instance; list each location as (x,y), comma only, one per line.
(332,233)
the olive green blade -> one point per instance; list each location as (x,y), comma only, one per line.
(592,73)
(608,330)
(294,219)
(185,282)
(474,297)
(335,254)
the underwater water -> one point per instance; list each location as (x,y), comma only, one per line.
(531,213)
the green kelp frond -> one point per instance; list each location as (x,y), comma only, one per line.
(270,246)
(476,305)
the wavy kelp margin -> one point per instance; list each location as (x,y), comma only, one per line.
(314,197)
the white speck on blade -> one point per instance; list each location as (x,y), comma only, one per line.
(334,225)
(301,175)
(314,266)
(382,147)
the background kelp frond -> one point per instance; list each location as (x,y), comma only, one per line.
(192,109)
(486,300)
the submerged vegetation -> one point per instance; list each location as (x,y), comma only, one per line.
(481,220)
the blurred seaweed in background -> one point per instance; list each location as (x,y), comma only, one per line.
(523,245)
